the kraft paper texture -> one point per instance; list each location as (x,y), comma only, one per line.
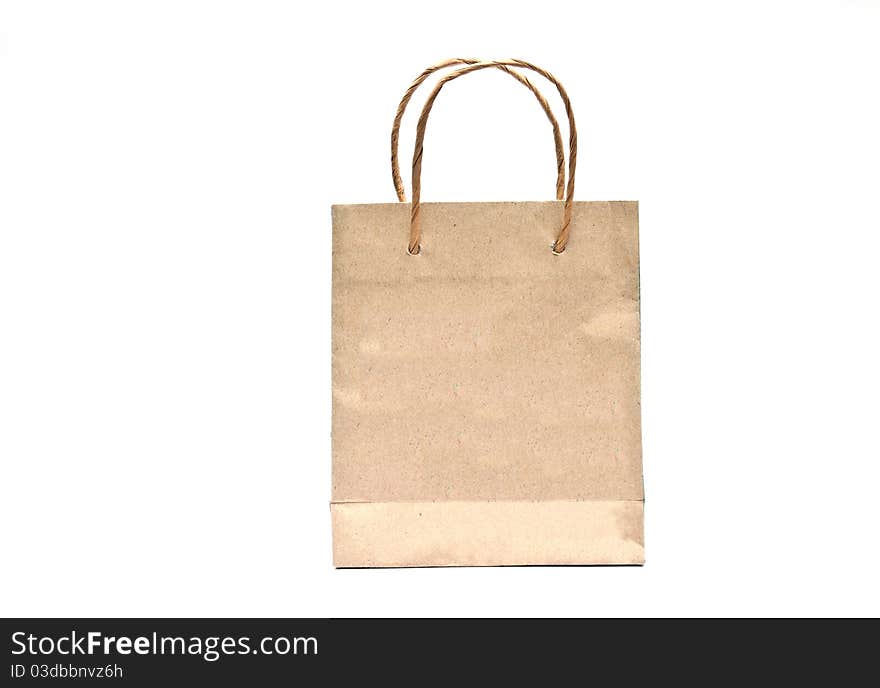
(486,392)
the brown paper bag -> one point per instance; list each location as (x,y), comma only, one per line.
(486,377)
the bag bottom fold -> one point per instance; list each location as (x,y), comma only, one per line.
(487,533)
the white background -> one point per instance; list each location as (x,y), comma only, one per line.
(167,175)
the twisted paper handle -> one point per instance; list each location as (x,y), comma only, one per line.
(415,225)
(420,79)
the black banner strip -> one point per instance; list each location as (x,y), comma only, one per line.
(163,652)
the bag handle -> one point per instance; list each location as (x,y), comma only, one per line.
(420,79)
(415,228)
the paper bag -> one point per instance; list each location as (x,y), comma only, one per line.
(486,378)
